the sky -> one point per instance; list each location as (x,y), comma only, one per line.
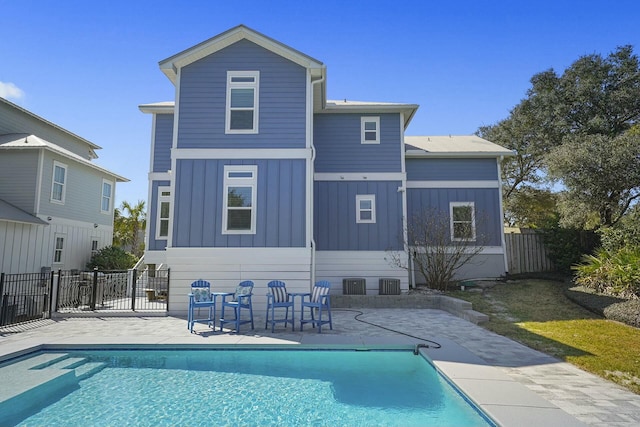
(87,65)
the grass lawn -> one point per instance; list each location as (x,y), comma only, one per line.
(537,314)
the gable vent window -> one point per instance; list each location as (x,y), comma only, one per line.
(370,130)
(242,102)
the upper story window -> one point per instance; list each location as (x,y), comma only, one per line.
(107,196)
(239,205)
(59,182)
(370,130)
(242,101)
(365,208)
(463,221)
(164,205)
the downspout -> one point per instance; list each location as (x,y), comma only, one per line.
(310,185)
(502,241)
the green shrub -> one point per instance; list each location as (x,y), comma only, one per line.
(112,258)
(626,312)
(613,273)
(625,233)
(565,246)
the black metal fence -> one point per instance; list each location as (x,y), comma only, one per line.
(25,297)
(31,296)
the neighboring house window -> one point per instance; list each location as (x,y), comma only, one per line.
(370,130)
(463,221)
(164,204)
(365,208)
(94,246)
(59,180)
(107,195)
(239,212)
(242,101)
(58,251)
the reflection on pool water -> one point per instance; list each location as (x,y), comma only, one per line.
(246,387)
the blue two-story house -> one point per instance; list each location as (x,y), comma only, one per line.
(255,175)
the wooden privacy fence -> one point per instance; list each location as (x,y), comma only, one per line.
(526,253)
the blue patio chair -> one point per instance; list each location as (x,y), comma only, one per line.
(278,297)
(238,300)
(200,297)
(318,300)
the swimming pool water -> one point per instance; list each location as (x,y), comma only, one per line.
(259,387)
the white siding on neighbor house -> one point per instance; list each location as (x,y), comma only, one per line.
(16,121)
(18,178)
(226,267)
(25,248)
(83,193)
(370,265)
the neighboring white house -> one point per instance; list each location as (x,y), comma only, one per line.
(56,205)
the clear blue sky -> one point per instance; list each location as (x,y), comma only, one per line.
(87,65)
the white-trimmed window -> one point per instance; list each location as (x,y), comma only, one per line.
(58,250)
(365,208)
(239,205)
(242,101)
(164,209)
(94,246)
(370,130)
(463,221)
(58,182)
(107,196)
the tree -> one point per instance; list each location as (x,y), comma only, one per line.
(129,223)
(530,207)
(434,254)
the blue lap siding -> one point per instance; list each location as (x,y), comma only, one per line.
(444,169)
(162,143)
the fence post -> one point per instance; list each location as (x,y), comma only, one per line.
(58,289)
(95,289)
(2,299)
(134,280)
(168,289)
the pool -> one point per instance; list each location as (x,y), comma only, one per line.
(205,387)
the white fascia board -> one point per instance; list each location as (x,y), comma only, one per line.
(453,184)
(359,176)
(159,176)
(171,65)
(457,154)
(229,153)
(158,108)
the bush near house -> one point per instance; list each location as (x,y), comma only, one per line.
(112,258)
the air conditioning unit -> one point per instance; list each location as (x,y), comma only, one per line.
(389,286)
(354,286)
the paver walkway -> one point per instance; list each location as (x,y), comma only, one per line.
(588,398)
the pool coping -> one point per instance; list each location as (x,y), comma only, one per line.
(506,401)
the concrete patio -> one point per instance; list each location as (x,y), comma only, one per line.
(514,384)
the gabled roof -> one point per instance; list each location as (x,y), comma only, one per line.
(171,65)
(345,106)
(23,141)
(453,146)
(48,123)
(8,212)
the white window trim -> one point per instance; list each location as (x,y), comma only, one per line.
(244,182)
(368,119)
(361,197)
(453,205)
(64,184)
(55,249)
(102,196)
(163,199)
(256,98)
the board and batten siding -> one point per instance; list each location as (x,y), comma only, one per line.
(25,248)
(445,169)
(83,193)
(487,208)
(282,100)
(280,212)
(335,227)
(163,139)
(18,178)
(152,220)
(337,139)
